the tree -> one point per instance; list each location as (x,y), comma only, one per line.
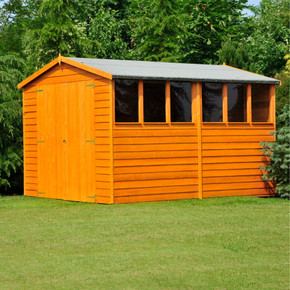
(265,40)
(10,122)
(55,29)
(209,23)
(279,153)
(157,30)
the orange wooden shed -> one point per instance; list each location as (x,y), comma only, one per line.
(112,131)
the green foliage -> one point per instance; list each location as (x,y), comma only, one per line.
(208,24)
(56,29)
(265,41)
(10,121)
(283,91)
(157,30)
(105,35)
(279,152)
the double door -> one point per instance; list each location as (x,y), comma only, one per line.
(65,141)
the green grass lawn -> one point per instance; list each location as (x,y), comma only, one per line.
(222,243)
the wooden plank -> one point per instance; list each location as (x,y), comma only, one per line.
(200,145)
(155,140)
(102,169)
(240,192)
(102,155)
(102,119)
(152,198)
(156,169)
(154,154)
(246,165)
(236,132)
(156,175)
(232,152)
(29,109)
(103,185)
(236,145)
(232,179)
(140,102)
(155,161)
(101,111)
(234,186)
(112,122)
(155,190)
(235,159)
(154,147)
(167,102)
(225,102)
(101,97)
(249,103)
(124,133)
(237,139)
(231,172)
(102,140)
(104,89)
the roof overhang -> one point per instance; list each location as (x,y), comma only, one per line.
(61,59)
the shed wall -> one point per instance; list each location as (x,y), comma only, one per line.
(155,163)
(61,74)
(231,158)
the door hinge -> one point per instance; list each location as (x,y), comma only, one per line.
(39,192)
(90,85)
(93,141)
(39,90)
(94,197)
(40,141)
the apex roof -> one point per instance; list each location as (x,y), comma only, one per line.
(130,69)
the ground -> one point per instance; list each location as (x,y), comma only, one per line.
(221,243)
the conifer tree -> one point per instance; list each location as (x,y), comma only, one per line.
(157,30)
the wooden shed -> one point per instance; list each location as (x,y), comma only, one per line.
(116,131)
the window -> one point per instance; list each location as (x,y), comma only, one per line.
(237,105)
(180,99)
(126,100)
(154,101)
(260,102)
(212,102)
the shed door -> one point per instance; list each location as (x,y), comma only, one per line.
(66,141)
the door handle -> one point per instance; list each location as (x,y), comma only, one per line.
(64,141)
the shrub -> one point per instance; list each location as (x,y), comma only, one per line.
(277,171)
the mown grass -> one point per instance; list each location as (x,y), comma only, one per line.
(228,243)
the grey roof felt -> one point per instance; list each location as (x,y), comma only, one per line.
(129,69)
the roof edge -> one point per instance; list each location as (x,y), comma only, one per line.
(278,82)
(59,60)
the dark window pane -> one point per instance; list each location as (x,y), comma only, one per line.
(237,109)
(212,102)
(180,95)
(126,100)
(260,102)
(154,101)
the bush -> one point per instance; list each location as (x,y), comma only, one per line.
(279,152)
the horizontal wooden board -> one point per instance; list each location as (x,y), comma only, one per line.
(31,153)
(236,132)
(246,165)
(239,192)
(29,109)
(154,147)
(103,169)
(102,119)
(103,185)
(154,140)
(102,141)
(231,172)
(30,102)
(154,133)
(236,139)
(30,115)
(220,146)
(28,192)
(102,155)
(102,133)
(32,121)
(104,89)
(154,183)
(156,175)
(157,197)
(155,161)
(31,135)
(234,186)
(154,190)
(98,97)
(233,179)
(155,154)
(104,200)
(232,152)
(156,168)
(102,126)
(234,159)
(31,186)
(102,104)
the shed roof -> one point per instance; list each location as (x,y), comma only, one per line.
(131,69)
